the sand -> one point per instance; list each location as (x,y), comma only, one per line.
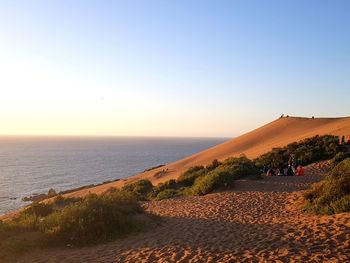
(278,133)
(260,221)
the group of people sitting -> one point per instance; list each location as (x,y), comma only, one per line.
(291,170)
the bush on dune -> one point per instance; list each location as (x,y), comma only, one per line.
(307,151)
(39,209)
(140,189)
(167,193)
(61,201)
(333,194)
(187,178)
(165,190)
(215,163)
(224,175)
(92,220)
(240,168)
(204,185)
(339,157)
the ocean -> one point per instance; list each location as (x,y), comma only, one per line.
(33,165)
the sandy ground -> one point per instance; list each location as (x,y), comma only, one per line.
(259,221)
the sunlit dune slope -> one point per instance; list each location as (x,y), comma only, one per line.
(252,144)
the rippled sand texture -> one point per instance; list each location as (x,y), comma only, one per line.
(258,222)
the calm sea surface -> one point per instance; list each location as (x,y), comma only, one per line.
(34,165)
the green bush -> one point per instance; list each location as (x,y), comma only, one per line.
(140,189)
(60,201)
(339,157)
(27,221)
(240,168)
(39,209)
(168,185)
(92,220)
(307,151)
(333,194)
(188,177)
(167,193)
(215,163)
(205,184)
(223,176)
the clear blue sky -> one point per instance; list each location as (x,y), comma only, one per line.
(171,68)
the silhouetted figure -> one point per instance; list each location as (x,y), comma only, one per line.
(290,171)
(291,162)
(265,169)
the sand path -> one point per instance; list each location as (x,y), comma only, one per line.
(258,222)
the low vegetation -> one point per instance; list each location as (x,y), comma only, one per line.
(74,221)
(338,158)
(307,151)
(332,195)
(198,180)
(94,219)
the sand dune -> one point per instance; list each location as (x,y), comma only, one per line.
(259,221)
(252,144)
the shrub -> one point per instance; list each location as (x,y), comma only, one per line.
(188,177)
(62,201)
(92,220)
(333,194)
(339,157)
(39,209)
(240,168)
(307,151)
(168,185)
(215,163)
(28,222)
(167,193)
(205,184)
(140,189)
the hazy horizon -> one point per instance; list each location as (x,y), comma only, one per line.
(169,69)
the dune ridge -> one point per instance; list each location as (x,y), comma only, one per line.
(277,133)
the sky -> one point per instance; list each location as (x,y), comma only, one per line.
(170,68)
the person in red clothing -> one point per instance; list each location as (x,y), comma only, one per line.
(300,171)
